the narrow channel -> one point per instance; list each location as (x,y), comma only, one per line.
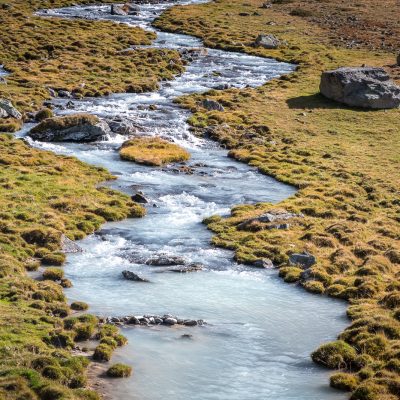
(260,331)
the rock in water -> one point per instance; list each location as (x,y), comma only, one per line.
(72,128)
(69,246)
(130,276)
(139,198)
(212,105)
(118,10)
(165,260)
(267,41)
(365,87)
(7,110)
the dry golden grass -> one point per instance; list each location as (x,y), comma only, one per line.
(152,151)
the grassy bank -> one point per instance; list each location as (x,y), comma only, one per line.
(87,58)
(344,161)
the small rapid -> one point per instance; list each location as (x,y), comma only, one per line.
(259,331)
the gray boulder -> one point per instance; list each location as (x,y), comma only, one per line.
(304,260)
(122,126)
(130,276)
(267,41)
(170,321)
(71,128)
(365,87)
(212,105)
(7,110)
(187,268)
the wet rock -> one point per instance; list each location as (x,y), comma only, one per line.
(131,9)
(74,128)
(70,105)
(69,246)
(264,263)
(130,276)
(190,322)
(122,126)
(267,41)
(187,268)
(165,260)
(139,198)
(133,321)
(187,336)
(64,94)
(192,53)
(305,260)
(117,9)
(212,105)
(365,87)
(7,110)
(170,321)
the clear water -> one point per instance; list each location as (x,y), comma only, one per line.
(260,331)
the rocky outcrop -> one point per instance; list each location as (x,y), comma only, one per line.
(7,110)
(304,260)
(267,41)
(130,276)
(212,105)
(364,87)
(73,128)
(149,320)
(263,263)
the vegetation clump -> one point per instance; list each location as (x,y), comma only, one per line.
(152,151)
(119,371)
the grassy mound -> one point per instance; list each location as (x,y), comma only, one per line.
(152,151)
(345,166)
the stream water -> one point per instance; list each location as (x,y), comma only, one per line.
(259,331)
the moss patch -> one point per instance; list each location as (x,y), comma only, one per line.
(152,151)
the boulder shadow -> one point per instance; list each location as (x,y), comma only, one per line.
(318,101)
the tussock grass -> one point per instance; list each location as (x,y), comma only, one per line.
(152,151)
(345,163)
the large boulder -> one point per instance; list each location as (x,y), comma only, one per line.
(267,41)
(365,87)
(7,110)
(71,128)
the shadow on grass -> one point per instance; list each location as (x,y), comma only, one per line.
(317,100)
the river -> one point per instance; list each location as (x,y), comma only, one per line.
(260,332)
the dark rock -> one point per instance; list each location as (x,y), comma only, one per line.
(3,81)
(130,276)
(52,92)
(192,53)
(164,260)
(7,110)
(212,105)
(64,94)
(267,41)
(133,321)
(139,198)
(187,336)
(73,128)
(170,321)
(264,263)
(266,5)
(70,105)
(189,322)
(398,60)
(304,260)
(365,87)
(69,246)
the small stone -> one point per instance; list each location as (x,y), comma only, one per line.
(264,263)
(190,322)
(187,336)
(130,276)
(170,321)
(212,105)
